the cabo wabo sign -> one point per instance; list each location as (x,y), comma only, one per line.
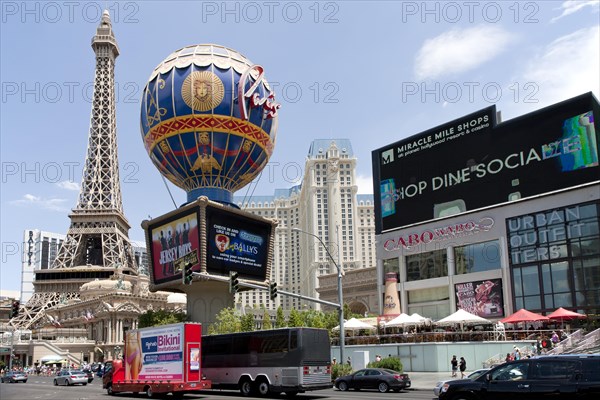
(438,234)
(473,162)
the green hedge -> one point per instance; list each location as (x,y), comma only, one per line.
(338,370)
(389,363)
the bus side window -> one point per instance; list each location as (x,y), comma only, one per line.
(293,340)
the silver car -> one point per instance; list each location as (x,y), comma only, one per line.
(473,375)
(69,378)
(13,377)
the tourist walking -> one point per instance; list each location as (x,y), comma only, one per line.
(454,364)
(463,367)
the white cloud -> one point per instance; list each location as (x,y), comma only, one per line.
(365,184)
(68,185)
(571,7)
(30,200)
(566,67)
(460,50)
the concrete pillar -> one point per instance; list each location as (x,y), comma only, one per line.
(205,299)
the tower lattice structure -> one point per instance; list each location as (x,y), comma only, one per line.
(97,244)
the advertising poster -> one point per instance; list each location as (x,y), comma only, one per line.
(174,244)
(154,354)
(474,162)
(195,359)
(482,298)
(236,243)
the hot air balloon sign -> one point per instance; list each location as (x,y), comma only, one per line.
(209,120)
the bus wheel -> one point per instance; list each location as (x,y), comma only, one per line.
(246,387)
(262,386)
(109,390)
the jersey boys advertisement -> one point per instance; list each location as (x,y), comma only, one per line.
(236,243)
(472,162)
(483,298)
(175,244)
(159,355)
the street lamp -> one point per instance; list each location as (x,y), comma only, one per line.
(339,285)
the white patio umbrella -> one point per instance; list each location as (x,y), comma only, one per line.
(462,317)
(418,318)
(399,321)
(354,324)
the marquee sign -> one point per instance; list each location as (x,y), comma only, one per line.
(473,162)
(214,238)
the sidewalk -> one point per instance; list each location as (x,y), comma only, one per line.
(428,380)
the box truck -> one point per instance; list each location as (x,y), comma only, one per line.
(158,360)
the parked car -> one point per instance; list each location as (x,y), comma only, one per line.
(473,375)
(69,378)
(14,377)
(90,375)
(559,377)
(374,378)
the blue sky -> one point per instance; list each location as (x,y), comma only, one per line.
(373,72)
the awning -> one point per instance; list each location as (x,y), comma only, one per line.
(52,357)
(55,362)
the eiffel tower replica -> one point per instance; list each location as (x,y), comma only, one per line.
(97,244)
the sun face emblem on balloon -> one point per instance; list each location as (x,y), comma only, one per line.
(202,91)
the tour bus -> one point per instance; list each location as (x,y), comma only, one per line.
(289,360)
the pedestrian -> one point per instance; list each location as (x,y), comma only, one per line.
(462,367)
(554,339)
(349,361)
(508,357)
(334,361)
(377,358)
(454,364)
(516,354)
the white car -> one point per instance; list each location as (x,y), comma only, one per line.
(473,375)
(69,378)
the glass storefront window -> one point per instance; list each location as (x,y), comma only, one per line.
(427,295)
(477,257)
(589,247)
(531,282)
(433,264)
(560,249)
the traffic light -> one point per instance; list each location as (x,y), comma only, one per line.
(188,274)
(234,283)
(15,308)
(273,290)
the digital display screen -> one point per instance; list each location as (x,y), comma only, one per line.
(236,243)
(175,243)
(472,162)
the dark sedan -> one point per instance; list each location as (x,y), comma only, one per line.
(374,378)
(14,377)
(90,375)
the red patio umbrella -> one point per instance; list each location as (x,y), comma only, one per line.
(565,315)
(523,316)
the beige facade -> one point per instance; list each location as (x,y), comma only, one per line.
(324,214)
(92,327)
(359,288)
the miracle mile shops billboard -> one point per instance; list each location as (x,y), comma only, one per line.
(472,162)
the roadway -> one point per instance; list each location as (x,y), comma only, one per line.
(42,388)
